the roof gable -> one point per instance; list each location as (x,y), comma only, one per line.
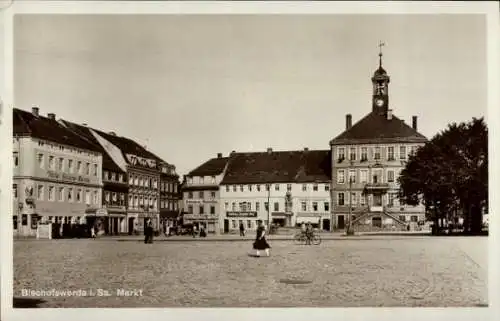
(212,167)
(376,128)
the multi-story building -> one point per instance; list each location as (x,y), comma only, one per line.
(169,195)
(57,175)
(201,194)
(111,217)
(284,187)
(367,159)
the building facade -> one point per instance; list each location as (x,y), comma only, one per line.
(367,159)
(201,196)
(169,196)
(285,188)
(57,175)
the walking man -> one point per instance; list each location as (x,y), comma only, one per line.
(242,229)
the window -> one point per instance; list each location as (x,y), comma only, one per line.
(340,176)
(234,188)
(96,198)
(414,218)
(352,153)
(113,176)
(402,218)
(70,194)
(60,194)
(190,209)
(241,188)
(120,176)
(190,195)
(14,190)
(258,188)
(364,175)
(276,206)
(277,187)
(227,188)
(212,194)
(213,179)
(105,175)
(87,168)
(257,206)
(341,198)
(249,224)
(202,209)
(131,180)
(87,197)
(364,153)
(16,159)
(362,200)
(40,160)
(327,187)
(226,206)
(249,206)
(327,206)
(235,225)
(377,153)
(289,187)
(201,194)
(303,206)
(24,219)
(250,188)
(392,197)
(51,162)
(268,187)
(266,206)
(315,187)
(60,164)
(70,166)
(413,150)
(402,152)
(114,197)
(243,206)
(79,196)
(341,153)
(15,221)
(233,206)
(377,176)
(352,176)
(79,167)
(390,153)
(304,187)
(51,193)
(315,206)
(39,192)
(390,176)
(353,198)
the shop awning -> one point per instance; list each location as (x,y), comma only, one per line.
(308,219)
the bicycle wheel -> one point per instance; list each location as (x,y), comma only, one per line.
(298,238)
(316,240)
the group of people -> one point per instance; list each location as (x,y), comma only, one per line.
(148,232)
(201,233)
(308,232)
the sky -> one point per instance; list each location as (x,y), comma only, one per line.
(192,86)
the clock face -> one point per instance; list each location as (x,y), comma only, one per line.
(379,102)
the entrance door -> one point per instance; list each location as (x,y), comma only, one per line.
(130,225)
(377,222)
(377,200)
(341,223)
(326,224)
(115,227)
(226,226)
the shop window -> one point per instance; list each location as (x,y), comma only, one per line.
(24,219)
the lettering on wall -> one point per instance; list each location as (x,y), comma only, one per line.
(137,160)
(68,177)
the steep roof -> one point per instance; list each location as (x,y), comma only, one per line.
(84,132)
(27,124)
(212,167)
(279,167)
(376,128)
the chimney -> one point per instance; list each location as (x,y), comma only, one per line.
(389,114)
(35,110)
(112,133)
(306,149)
(233,152)
(414,122)
(348,121)
(51,116)
(84,124)
(219,155)
(269,150)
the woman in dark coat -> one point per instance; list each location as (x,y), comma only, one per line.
(260,240)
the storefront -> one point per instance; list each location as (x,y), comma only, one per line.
(208,221)
(282,219)
(319,221)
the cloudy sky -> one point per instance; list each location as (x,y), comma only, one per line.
(190,86)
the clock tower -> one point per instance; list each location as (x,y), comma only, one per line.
(380,81)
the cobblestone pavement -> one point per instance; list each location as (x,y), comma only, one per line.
(431,272)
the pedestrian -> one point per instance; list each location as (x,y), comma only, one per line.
(194,231)
(260,240)
(242,229)
(202,231)
(151,231)
(148,232)
(92,232)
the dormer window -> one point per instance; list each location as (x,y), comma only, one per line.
(190,180)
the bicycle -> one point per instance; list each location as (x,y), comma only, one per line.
(301,238)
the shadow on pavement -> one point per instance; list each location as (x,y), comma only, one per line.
(26,303)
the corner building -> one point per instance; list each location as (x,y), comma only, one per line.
(57,174)
(285,188)
(367,159)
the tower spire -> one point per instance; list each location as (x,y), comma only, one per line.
(380,45)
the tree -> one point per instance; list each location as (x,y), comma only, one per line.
(449,170)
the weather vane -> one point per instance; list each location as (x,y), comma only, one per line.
(380,45)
